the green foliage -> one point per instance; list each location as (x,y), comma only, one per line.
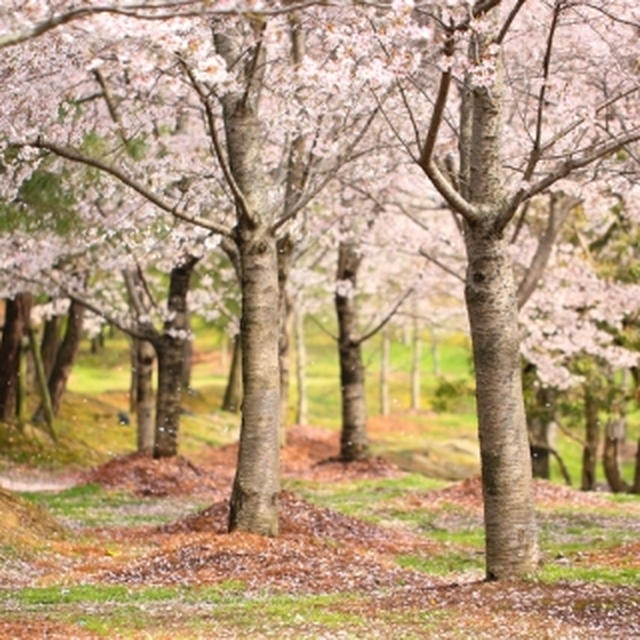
(455,395)
(572,573)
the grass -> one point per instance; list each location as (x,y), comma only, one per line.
(91,506)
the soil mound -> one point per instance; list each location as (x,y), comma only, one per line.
(301,518)
(468,494)
(146,476)
(318,550)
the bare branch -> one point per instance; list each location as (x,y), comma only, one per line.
(447,191)
(322,327)
(387,317)
(510,18)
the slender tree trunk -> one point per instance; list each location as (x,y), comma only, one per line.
(21,396)
(170,353)
(384,373)
(16,319)
(541,434)
(43,387)
(416,354)
(636,476)
(284,247)
(254,498)
(50,343)
(302,412)
(592,440)
(354,443)
(232,400)
(64,358)
(511,546)
(186,359)
(133,381)
(614,435)
(224,351)
(144,396)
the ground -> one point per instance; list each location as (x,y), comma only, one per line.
(137,548)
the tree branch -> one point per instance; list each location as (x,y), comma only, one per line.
(213,134)
(386,318)
(76,156)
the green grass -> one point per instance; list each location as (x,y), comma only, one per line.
(90,506)
(553,572)
(365,499)
(443,564)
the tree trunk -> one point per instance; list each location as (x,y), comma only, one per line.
(50,343)
(384,374)
(284,248)
(224,351)
(16,319)
(541,424)
(416,353)
(233,393)
(41,379)
(186,359)
(354,443)
(144,395)
(511,540)
(170,352)
(302,412)
(614,436)
(133,381)
(254,498)
(64,358)
(636,476)
(592,440)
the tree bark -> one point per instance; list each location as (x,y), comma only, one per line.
(284,249)
(64,359)
(384,374)
(614,436)
(232,400)
(144,395)
(592,440)
(186,359)
(302,411)
(50,343)
(170,352)
(511,541)
(133,381)
(254,498)
(16,320)
(354,444)
(41,378)
(541,423)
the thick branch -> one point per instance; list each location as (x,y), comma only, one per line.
(213,133)
(558,212)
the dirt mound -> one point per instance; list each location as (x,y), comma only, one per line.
(146,476)
(25,524)
(318,550)
(468,494)
(310,454)
(296,564)
(301,518)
